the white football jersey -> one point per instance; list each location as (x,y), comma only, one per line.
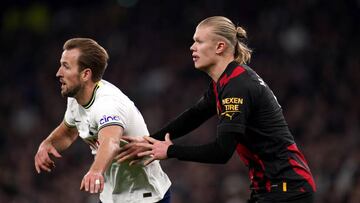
(123,183)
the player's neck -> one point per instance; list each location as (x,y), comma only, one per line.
(217,70)
(85,95)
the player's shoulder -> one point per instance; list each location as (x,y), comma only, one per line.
(108,91)
(71,102)
(250,78)
(107,88)
(244,81)
(108,95)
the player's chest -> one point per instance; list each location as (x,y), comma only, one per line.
(86,127)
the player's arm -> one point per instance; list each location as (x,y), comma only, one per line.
(109,146)
(238,94)
(58,140)
(229,128)
(190,119)
(62,137)
(217,152)
(183,124)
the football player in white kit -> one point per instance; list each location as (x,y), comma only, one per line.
(100,114)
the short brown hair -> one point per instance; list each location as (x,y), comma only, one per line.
(92,56)
(235,35)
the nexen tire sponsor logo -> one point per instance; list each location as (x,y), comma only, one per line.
(106,119)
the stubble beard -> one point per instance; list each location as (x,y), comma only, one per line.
(71,92)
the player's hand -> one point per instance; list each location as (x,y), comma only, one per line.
(93,182)
(130,150)
(42,158)
(157,150)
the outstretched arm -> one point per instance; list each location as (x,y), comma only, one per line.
(183,124)
(217,152)
(58,140)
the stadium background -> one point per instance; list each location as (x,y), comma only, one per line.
(307,51)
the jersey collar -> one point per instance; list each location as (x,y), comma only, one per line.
(229,68)
(228,73)
(86,106)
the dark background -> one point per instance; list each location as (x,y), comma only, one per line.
(307,51)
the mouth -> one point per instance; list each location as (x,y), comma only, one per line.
(195,58)
(62,83)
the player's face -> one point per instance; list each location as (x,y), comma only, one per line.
(204,48)
(68,73)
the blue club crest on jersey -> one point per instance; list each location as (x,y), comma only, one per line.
(106,119)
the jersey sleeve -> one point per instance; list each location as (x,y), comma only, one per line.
(69,119)
(216,152)
(191,118)
(108,112)
(237,100)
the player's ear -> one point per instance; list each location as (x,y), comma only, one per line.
(86,74)
(220,47)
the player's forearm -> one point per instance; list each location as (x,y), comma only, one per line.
(106,152)
(217,152)
(61,138)
(60,143)
(204,154)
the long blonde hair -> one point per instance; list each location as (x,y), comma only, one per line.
(235,35)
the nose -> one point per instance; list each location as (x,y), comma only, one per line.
(192,47)
(59,72)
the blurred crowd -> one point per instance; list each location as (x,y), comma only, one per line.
(307,51)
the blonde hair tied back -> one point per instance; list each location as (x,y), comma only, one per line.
(242,51)
(235,35)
